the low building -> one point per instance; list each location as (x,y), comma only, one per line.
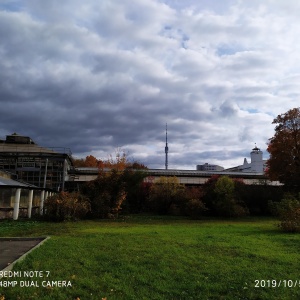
(20,198)
(209,167)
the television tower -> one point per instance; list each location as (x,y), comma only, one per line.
(166,148)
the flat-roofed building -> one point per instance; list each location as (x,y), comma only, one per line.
(209,167)
(36,165)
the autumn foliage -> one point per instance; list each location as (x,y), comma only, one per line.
(119,161)
(284,149)
(66,206)
(120,188)
(106,194)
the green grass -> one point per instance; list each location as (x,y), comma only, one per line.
(148,257)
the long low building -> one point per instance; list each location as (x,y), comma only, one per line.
(192,177)
(187,177)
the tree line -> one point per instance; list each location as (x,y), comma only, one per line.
(124,190)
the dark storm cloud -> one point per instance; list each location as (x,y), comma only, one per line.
(97,75)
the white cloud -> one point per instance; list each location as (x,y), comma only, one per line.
(100,75)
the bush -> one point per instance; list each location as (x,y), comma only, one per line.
(166,196)
(66,206)
(195,208)
(288,211)
(106,194)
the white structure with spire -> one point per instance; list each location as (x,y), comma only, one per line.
(257,164)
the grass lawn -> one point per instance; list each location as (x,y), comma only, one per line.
(148,257)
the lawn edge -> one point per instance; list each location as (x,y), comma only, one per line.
(11,265)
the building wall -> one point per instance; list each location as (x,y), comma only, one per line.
(7,197)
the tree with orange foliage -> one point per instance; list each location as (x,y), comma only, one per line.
(90,161)
(284,149)
(119,162)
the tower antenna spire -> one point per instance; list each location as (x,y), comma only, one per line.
(166,148)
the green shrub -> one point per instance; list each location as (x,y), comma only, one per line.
(226,202)
(288,211)
(66,206)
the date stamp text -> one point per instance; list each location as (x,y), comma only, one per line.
(274,283)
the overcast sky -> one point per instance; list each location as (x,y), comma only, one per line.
(97,75)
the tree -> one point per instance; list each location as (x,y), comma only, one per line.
(134,186)
(224,190)
(284,149)
(106,194)
(89,161)
(115,190)
(227,202)
(118,162)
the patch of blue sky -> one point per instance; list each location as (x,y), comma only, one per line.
(252,111)
(177,34)
(13,6)
(197,5)
(184,40)
(228,50)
